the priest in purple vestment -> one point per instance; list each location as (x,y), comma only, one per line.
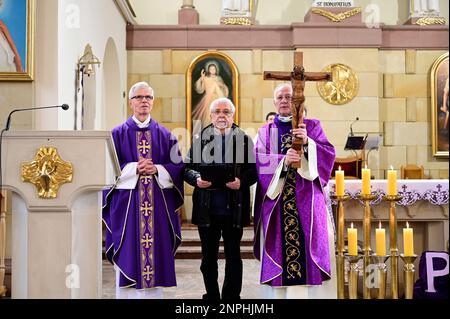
(294,237)
(141,211)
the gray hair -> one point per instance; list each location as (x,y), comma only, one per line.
(222,100)
(137,86)
(279,87)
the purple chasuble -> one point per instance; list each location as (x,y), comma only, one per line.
(310,203)
(142,225)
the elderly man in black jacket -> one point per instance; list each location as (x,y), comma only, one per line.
(221,167)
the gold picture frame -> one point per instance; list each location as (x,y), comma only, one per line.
(199,97)
(440,106)
(17,19)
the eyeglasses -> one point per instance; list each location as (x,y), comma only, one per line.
(224,112)
(141,97)
(287,97)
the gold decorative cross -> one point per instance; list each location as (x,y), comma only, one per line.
(298,77)
(144,147)
(146,240)
(146,208)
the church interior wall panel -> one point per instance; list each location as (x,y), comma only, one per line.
(411,109)
(253,85)
(393,110)
(257,58)
(258,113)
(277,60)
(368,84)
(360,60)
(410,85)
(242,59)
(388,87)
(16,95)
(179,110)
(392,61)
(182,58)
(392,155)
(410,61)
(411,154)
(423,110)
(167,61)
(443,174)
(366,108)
(246,110)
(404,133)
(168,85)
(146,61)
(425,60)
(167,110)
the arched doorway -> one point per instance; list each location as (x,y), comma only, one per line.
(112,109)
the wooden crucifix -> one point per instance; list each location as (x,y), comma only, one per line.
(298,78)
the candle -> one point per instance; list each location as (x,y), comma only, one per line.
(408,241)
(339,176)
(380,235)
(352,234)
(365,181)
(392,182)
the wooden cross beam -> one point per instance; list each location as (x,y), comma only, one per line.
(298,77)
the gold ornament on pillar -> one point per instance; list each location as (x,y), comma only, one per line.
(343,88)
(47,172)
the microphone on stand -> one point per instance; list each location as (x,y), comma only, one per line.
(8,121)
(8,124)
(351,129)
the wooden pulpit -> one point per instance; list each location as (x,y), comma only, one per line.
(56,179)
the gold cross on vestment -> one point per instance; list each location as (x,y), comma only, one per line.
(143,147)
(146,240)
(147,273)
(298,77)
(146,208)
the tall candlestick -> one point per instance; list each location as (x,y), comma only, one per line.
(392,182)
(365,172)
(352,234)
(380,241)
(339,176)
(408,241)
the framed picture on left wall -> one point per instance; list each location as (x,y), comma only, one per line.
(16,40)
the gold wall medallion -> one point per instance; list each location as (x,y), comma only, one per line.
(47,172)
(336,17)
(344,86)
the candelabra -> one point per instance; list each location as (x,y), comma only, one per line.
(353,275)
(392,199)
(408,272)
(366,198)
(340,244)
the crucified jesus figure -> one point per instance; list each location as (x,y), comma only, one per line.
(298,77)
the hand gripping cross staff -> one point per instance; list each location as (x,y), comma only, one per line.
(298,78)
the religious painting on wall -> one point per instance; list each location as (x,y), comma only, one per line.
(210,75)
(440,106)
(16,40)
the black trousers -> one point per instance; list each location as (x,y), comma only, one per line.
(221,226)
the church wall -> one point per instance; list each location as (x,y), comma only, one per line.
(82,22)
(289,11)
(393,97)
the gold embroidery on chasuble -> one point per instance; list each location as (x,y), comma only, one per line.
(291,226)
(146,210)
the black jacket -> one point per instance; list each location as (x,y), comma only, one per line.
(243,161)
